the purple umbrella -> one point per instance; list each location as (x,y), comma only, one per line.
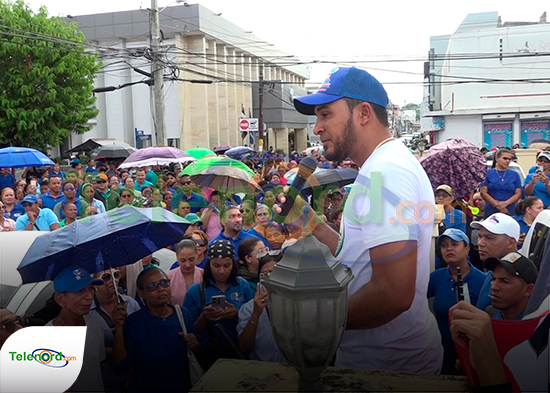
(238,150)
(221,149)
(457,163)
(155,156)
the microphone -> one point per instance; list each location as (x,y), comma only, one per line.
(305,169)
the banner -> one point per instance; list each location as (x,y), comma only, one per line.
(497,135)
(534,130)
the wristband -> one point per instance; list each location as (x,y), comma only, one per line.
(253,323)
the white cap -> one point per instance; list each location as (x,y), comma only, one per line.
(499,224)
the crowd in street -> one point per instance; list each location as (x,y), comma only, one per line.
(212,299)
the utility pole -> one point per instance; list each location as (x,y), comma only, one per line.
(261,109)
(157,70)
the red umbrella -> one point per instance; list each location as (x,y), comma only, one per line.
(457,163)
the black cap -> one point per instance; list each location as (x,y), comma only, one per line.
(516,264)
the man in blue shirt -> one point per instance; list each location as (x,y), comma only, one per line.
(36,219)
(513,281)
(454,218)
(54,195)
(6,178)
(140,180)
(232,220)
(197,201)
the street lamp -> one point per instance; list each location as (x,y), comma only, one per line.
(308,293)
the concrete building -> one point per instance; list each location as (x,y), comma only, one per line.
(488,82)
(210,68)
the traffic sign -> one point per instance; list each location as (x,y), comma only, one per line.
(244,124)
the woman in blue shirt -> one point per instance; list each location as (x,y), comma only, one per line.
(217,323)
(537,183)
(502,187)
(151,341)
(454,246)
(526,213)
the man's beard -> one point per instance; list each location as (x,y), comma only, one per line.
(344,144)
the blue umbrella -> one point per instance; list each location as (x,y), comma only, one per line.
(19,157)
(238,150)
(119,237)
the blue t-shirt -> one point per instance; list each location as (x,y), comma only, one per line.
(196,201)
(539,190)
(501,185)
(15,213)
(498,315)
(139,187)
(442,288)
(49,202)
(523,227)
(234,294)
(236,242)
(144,336)
(45,219)
(484,299)
(7,181)
(255,233)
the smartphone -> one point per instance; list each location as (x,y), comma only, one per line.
(262,287)
(34,183)
(539,169)
(218,301)
(459,285)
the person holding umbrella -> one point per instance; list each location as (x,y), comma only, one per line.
(501,188)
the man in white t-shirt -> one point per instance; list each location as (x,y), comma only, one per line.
(386,229)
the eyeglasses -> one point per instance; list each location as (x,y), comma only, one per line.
(107,276)
(200,242)
(542,159)
(69,189)
(27,204)
(125,196)
(267,252)
(11,325)
(153,286)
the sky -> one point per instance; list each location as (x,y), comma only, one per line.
(393,36)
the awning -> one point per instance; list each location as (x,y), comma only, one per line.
(94,143)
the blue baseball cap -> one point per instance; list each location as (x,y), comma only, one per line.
(344,82)
(73,279)
(29,198)
(455,234)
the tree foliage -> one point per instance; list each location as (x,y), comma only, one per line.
(46,78)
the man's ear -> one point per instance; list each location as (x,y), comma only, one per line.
(366,112)
(60,299)
(528,290)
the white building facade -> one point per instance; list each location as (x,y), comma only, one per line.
(489,83)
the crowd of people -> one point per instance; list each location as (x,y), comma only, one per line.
(212,300)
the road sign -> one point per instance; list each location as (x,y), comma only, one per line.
(248,125)
(244,124)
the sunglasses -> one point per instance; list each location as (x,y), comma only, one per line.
(125,196)
(201,242)
(10,326)
(269,253)
(186,183)
(153,286)
(69,189)
(107,276)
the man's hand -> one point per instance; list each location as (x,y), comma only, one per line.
(230,312)
(32,216)
(301,219)
(472,326)
(120,314)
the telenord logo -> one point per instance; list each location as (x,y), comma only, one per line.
(46,357)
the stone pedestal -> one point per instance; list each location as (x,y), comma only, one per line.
(300,139)
(281,139)
(252,376)
(526,159)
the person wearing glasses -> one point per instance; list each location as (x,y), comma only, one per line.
(9,324)
(35,218)
(105,300)
(69,190)
(126,197)
(187,272)
(6,224)
(216,321)
(185,192)
(254,328)
(151,341)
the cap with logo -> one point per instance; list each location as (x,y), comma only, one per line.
(445,188)
(73,279)
(515,264)
(344,82)
(455,234)
(30,198)
(499,224)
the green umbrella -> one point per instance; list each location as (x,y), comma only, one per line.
(199,166)
(200,152)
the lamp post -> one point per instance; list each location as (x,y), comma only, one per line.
(308,293)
